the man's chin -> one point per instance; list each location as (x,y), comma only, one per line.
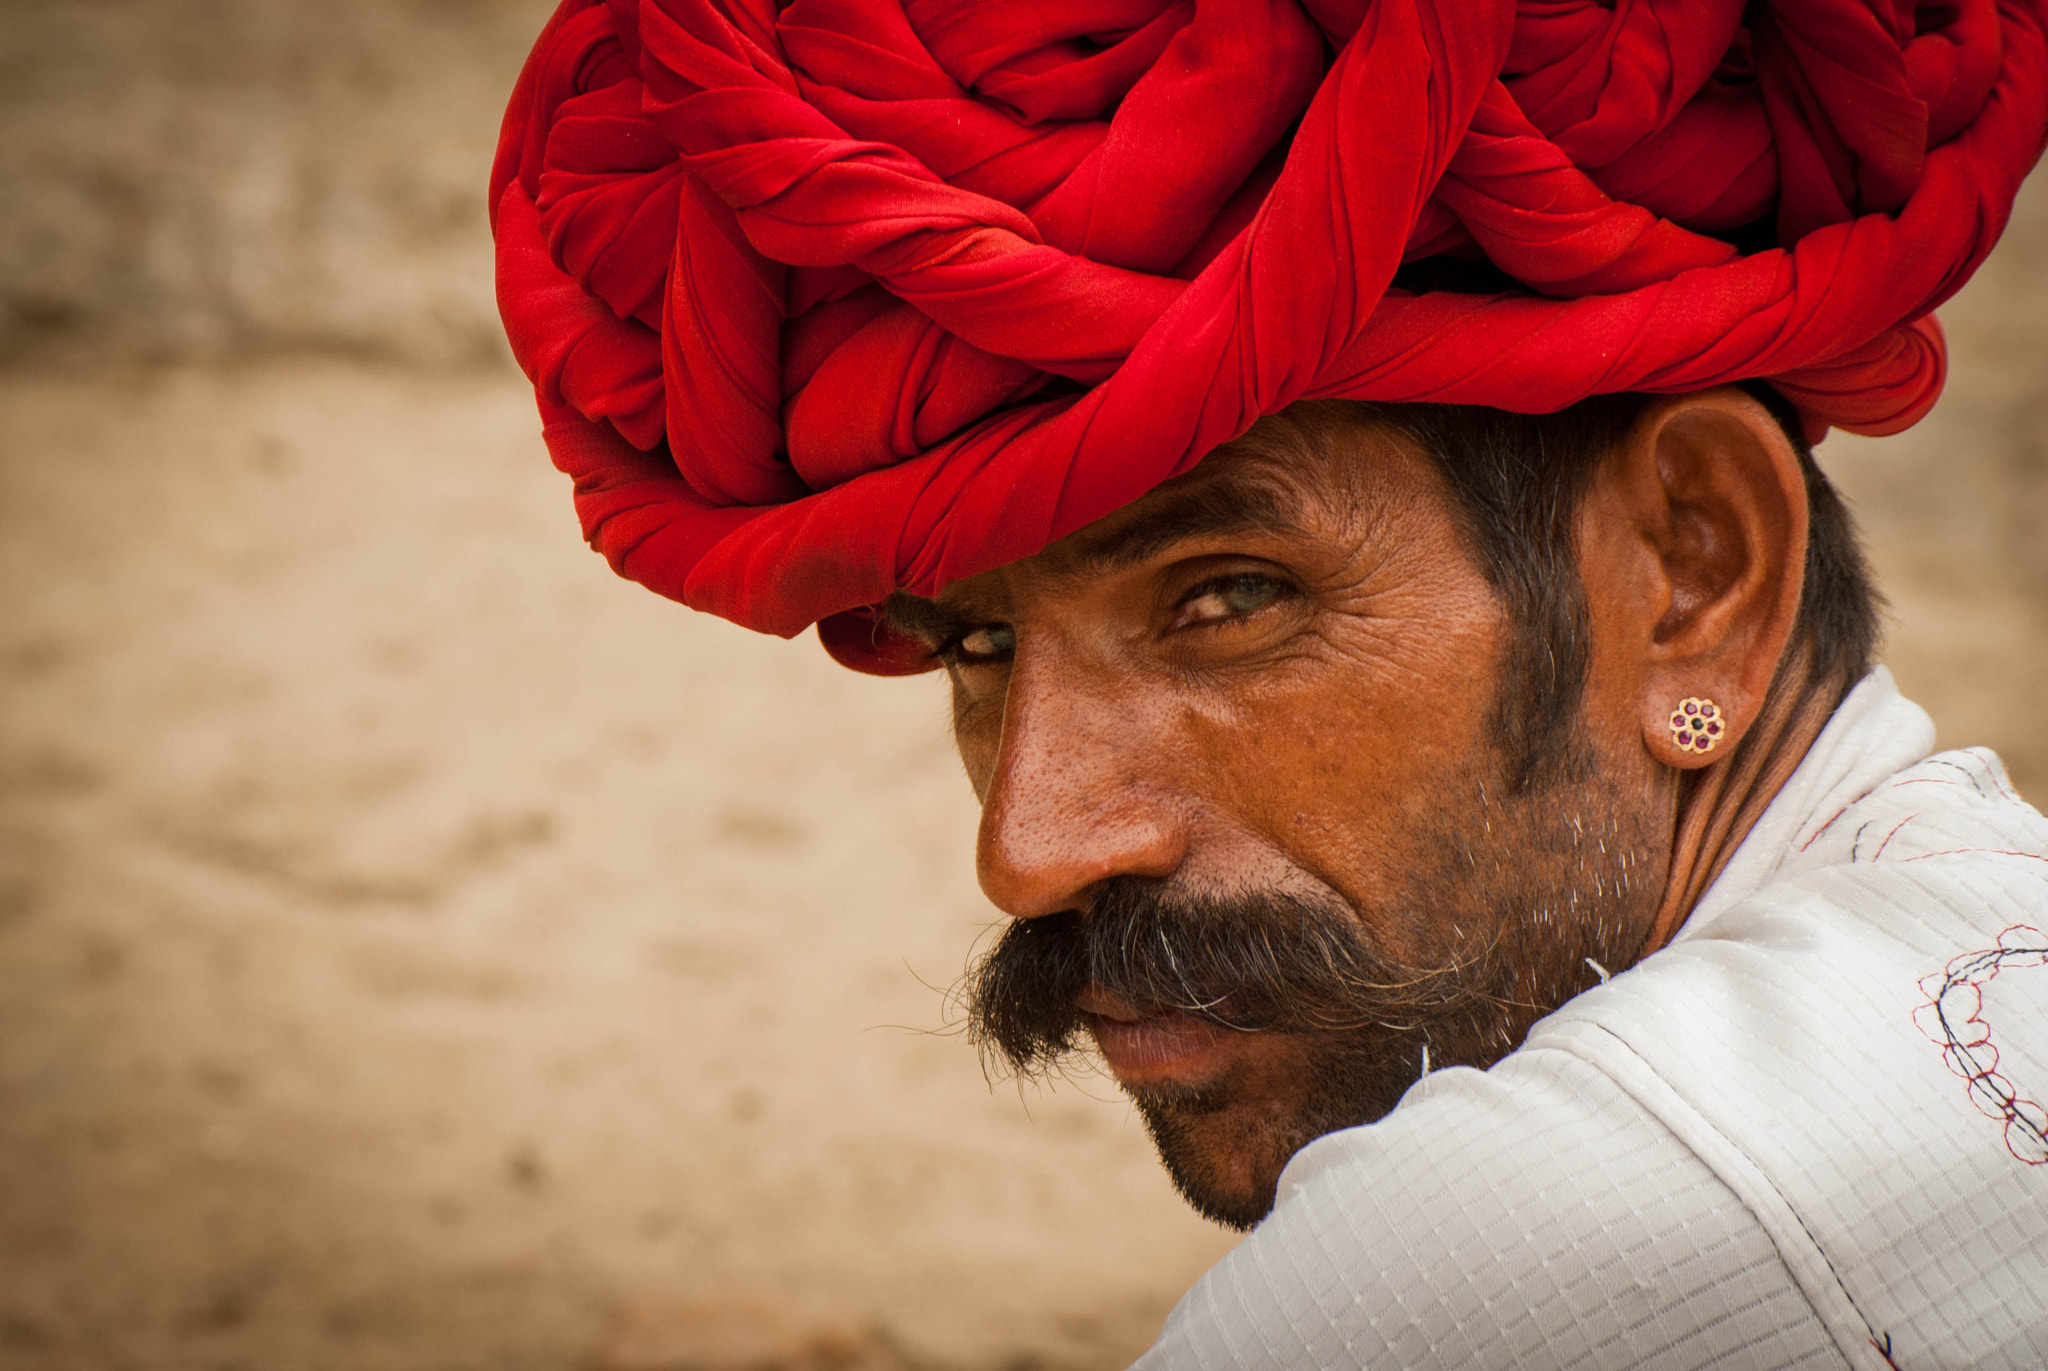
(1187,1077)
(1223,1153)
(1225,1138)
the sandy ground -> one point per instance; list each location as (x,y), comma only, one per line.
(418,949)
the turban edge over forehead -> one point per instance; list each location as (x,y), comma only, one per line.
(834,297)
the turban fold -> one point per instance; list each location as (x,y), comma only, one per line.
(835,297)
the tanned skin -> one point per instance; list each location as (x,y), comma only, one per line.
(1264,678)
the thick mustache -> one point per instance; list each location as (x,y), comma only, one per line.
(1266,962)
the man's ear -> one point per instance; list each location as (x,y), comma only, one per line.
(1693,548)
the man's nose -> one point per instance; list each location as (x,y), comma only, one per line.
(1079,794)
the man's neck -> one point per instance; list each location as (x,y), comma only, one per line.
(1718,805)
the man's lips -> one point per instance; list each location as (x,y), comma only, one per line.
(1153,1047)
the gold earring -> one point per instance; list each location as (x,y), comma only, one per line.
(1696,725)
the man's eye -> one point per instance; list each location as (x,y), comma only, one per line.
(990,642)
(1229,597)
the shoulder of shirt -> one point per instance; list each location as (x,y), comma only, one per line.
(1939,857)
(1956,809)
(1870,803)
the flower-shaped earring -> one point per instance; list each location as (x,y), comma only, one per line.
(1696,725)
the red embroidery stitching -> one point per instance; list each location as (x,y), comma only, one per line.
(1952,1020)
(1986,851)
(1828,825)
(1891,835)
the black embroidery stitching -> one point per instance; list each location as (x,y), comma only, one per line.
(1976,782)
(1952,1019)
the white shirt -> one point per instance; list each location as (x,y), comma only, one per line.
(1750,1150)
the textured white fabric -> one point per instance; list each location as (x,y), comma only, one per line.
(1761,1147)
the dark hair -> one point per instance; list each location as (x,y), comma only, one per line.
(1518,480)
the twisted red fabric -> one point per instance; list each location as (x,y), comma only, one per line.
(834,297)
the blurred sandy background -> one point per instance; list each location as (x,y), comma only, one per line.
(419,949)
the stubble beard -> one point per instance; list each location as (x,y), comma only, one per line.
(1529,894)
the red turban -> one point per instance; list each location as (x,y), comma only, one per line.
(827,299)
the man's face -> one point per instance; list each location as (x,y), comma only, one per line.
(1236,748)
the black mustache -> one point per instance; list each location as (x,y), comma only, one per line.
(1267,962)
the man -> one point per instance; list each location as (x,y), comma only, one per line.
(1354,466)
